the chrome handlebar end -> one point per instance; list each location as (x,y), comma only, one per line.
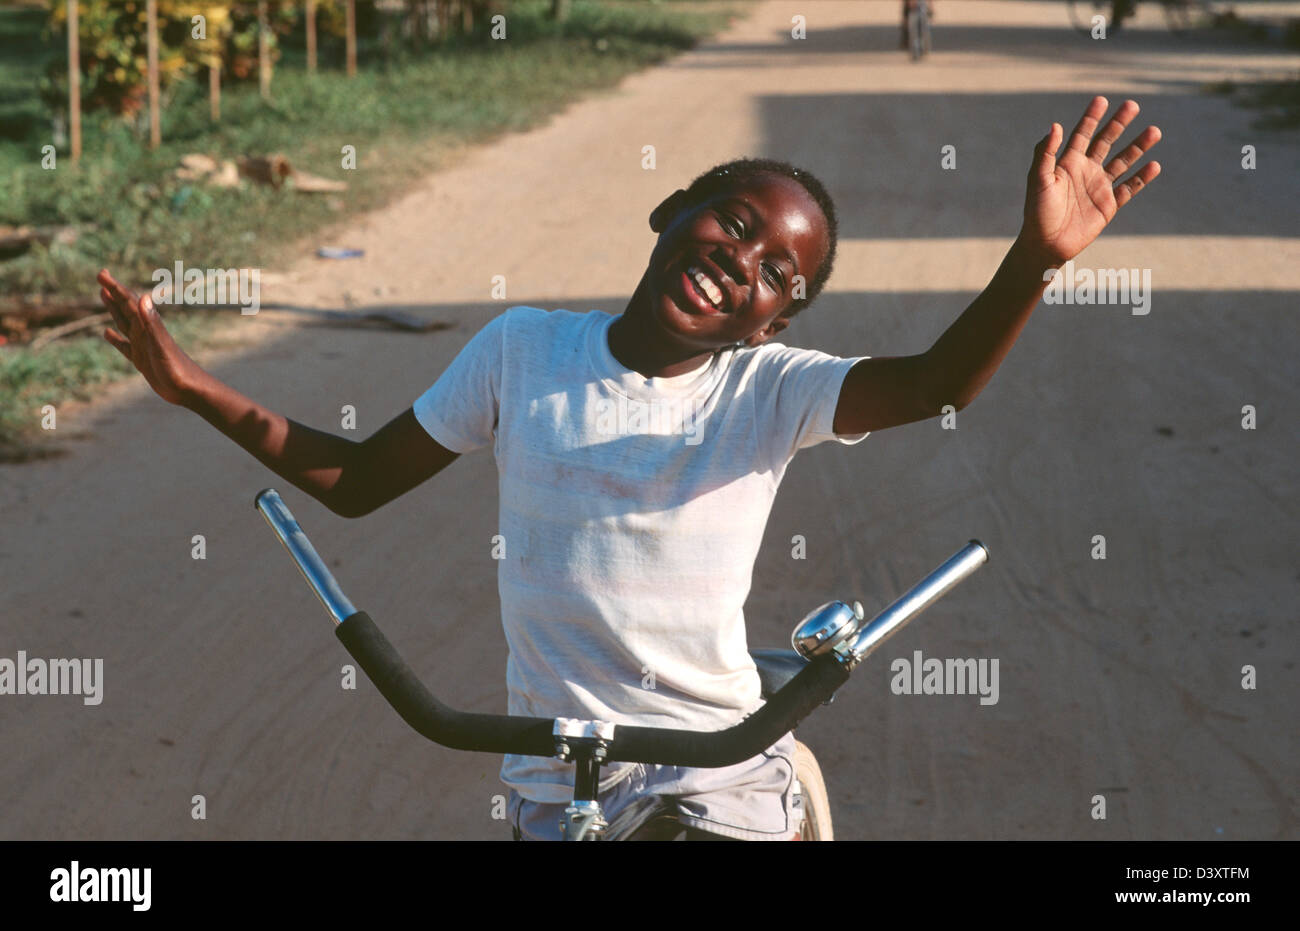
(837,628)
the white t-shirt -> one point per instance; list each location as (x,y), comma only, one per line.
(631,512)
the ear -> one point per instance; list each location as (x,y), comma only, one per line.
(769,331)
(666,210)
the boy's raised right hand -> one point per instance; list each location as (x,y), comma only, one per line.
(142,338)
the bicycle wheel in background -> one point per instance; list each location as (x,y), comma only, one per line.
(816,802)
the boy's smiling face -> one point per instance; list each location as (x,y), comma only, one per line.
(748,241)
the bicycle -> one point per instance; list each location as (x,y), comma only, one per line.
(918,28)
(828,644)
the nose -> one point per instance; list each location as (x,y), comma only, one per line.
(740,262)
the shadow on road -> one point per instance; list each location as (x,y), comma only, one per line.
(900,138)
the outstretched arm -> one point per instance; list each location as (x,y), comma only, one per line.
(1071,195)
(350,478)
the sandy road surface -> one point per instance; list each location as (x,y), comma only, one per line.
(1119,677)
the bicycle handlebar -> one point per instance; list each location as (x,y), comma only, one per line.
(528,736)
(499,733)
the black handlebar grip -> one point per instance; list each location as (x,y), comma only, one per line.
(497,733)
(488,733)
(813,686)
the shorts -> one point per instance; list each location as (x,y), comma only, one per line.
(753,800)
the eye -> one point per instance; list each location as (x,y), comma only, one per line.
(775,278)
(734,228)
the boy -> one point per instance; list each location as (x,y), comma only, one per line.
(639,454)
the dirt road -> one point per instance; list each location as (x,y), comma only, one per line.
(1120,677)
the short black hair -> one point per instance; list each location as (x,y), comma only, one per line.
(740,170)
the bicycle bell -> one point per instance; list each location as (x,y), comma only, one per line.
(826,628)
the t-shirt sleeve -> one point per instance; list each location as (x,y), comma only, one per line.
(796,393)
(460,409)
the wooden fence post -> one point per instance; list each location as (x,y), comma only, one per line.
(263,53)
(352,38)
(311,36)
(151,27)
(214,92)
(74,81)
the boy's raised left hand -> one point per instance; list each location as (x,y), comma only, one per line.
(1074,193)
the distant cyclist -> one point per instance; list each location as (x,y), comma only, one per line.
(910,6)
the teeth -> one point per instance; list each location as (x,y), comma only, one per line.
(711,290)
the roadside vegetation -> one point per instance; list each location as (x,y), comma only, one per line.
(125,206)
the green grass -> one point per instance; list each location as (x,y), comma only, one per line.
(23,55)
(1276,103)
(66,370)
(403,113)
